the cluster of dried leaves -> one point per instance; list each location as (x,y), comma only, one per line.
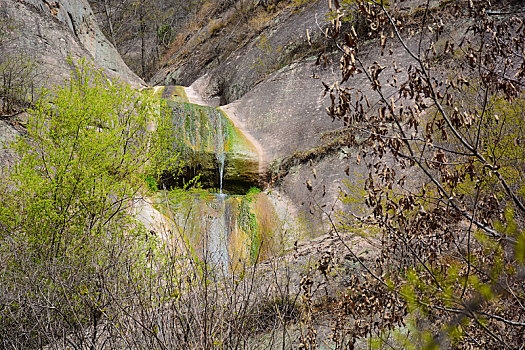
(437,127)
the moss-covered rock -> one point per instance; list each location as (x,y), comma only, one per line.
(237,230)
(210,146)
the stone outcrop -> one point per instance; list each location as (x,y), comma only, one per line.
(246,48)
(50,32)
(47,34)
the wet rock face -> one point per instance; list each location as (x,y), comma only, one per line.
(238,176)
(210,145)
(231,230)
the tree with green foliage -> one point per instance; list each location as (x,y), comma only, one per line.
(67,236)
(82,161)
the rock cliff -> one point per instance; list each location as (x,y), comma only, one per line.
(45,35)
(264,67)
(51,31)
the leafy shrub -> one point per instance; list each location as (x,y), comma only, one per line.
(165,34)
(66,234)
(19,77)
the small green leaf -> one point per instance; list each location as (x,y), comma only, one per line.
(520,248)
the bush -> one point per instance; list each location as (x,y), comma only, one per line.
(19,78)
(67,240)
(443,186)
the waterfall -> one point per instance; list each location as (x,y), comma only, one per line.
(221,137)
(203,135)
(220,231)
(202,132)
(217,238)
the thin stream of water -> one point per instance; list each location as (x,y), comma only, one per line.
(221,135)
(220,231)
(199,132)
(217,246)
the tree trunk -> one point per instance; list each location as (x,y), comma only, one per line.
(143,41)
(110,23)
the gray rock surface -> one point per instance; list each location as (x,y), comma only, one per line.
(49,32)
(275,92)
(286,112)
(9,131)
(236,61)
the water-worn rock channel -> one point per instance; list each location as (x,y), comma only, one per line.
(227,220)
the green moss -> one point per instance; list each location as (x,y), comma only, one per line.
(195,126)
(179,95)
(199,140)
(186,208)
(247,221)
(151,182)
(253,191)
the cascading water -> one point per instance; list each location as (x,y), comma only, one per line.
(221,138)
(202,140)
(217,237)
(203,132)
(217,242)
(207,144)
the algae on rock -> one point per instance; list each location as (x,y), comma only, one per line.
(227,231)
(210,146)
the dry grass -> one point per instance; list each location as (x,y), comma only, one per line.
(260,19)
(195,25)
(241,18)
(215,26)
